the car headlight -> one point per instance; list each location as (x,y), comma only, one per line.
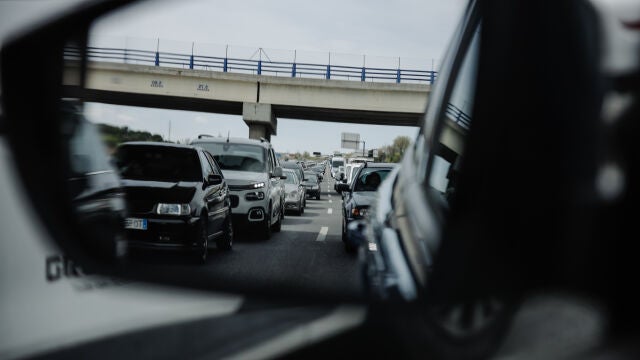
(359,212)
(258,185)
(173,209)
(293,194)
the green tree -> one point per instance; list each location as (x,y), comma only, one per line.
(394,152)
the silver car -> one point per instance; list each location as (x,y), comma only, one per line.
(254,175)
(295,192)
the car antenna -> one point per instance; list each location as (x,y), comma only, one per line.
(228,133)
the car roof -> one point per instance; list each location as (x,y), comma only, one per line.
(232,140)
(158,144)
(380,165)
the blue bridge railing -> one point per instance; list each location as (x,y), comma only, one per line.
(256,67)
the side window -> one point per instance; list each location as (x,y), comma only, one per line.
(213,163)
(269,161)
(454,125)
(206,167)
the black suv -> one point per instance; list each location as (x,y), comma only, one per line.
(177,198)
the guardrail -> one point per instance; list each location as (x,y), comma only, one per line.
(256,67)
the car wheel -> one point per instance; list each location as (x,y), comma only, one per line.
(300,208)
(282,210)
(203,238)
(318,196)
(266,225)
(278,225)
(225,242)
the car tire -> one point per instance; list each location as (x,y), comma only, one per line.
(266,225)
(203,237)
(278,225)
(318,196)
(225,242)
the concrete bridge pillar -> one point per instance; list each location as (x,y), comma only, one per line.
(260,119)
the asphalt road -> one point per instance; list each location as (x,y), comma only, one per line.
(306,256)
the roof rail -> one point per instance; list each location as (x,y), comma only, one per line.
(204,136)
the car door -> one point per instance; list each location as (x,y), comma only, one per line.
(215,195)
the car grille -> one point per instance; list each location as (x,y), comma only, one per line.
(235,200)
(241,187)
(140,206)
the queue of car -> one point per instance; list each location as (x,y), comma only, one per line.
(185,198)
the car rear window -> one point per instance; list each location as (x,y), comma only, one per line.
(238,157)
(158,163)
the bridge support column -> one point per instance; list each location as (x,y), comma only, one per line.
(260,119)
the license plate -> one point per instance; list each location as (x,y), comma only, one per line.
(136,224)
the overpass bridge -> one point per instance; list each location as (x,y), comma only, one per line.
(260,91)
(255,89)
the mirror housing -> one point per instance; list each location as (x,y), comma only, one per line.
(214,179)
(341,187)
(277,172)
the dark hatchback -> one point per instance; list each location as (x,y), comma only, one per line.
(177,198)
(312,184)
(359,196)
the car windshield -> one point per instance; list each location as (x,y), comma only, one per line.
(158,163)
(311,178)
(291,177)
(369,179)
(337,163)
(238,157)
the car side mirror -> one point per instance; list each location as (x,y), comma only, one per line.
(277,172)
(342,188)
(214,179)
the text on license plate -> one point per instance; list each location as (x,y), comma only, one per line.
(137,224)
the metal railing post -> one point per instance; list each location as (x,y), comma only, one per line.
(431,77)
(158,53)
(224,65)
(191,62)
(328,72)
(363,75)
(398,77)
(259,67)
(293,70)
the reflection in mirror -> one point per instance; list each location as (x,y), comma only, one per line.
(456,122)
(214,209)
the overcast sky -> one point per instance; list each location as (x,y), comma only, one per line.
(417,31)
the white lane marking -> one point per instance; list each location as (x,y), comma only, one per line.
(329,211)
(330,201)
(344,317)
(323,233)
(329,195)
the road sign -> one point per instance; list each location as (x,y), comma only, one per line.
(350,141)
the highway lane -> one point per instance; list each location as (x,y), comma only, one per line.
(306,255)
